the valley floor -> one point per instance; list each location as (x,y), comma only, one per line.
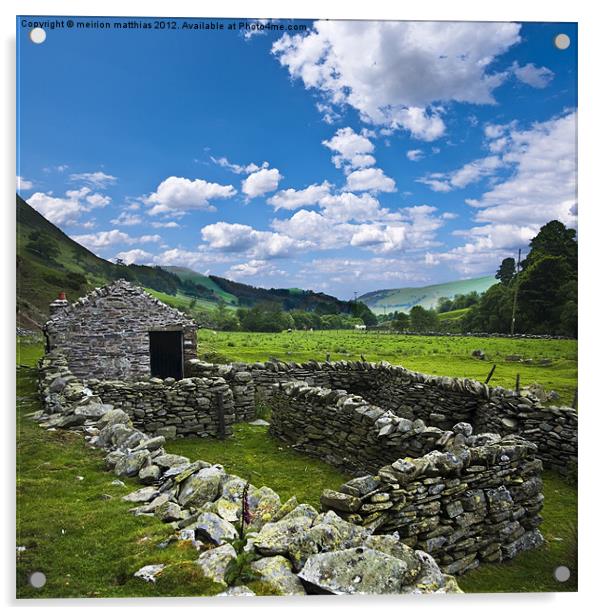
(67,505)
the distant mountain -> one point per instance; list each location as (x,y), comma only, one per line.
(404,299)
(244,295)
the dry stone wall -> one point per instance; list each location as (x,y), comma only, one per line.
(438,401)
(194,407)
(463,498)
(291,547)
(106,333)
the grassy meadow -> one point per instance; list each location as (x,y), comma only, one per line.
(67,506)
(443,356)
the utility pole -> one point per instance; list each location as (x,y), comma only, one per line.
(515,294)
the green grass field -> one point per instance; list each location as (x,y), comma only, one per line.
(444,356)
(64,522)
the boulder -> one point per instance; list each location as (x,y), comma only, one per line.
(149,474)
(213,529)
(130,465)
(146,494)
(201,487)
(113,417)
(214,563)
(275,538)
(239,590)
(168,512)
(275,572)
(359,570)
(168,460)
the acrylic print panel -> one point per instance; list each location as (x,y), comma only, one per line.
(297,307)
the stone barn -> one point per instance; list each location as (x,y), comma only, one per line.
(121,332)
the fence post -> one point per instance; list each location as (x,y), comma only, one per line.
(517,383)
(221,422)
(490,374)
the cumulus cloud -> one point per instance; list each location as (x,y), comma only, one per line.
(411,228)
(102,239)
(261,182)
(105,239)
(397,74)
(126,219)
(170,224)
(138,256)
(239,169)
(179,194)
(244,239)
(542,187)
(97,179)
(293,199)
(415,154)
(352,150)
(372,180)
(460,178)
(23,184)
(254,268)
(68,208)
(536,77)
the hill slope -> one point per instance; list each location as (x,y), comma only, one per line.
(48,261)
(404,299)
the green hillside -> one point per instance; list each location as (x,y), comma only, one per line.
(188,275)
(48,262)
(403,299)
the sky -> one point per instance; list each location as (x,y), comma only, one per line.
(337,156)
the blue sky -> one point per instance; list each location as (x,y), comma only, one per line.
(352,156)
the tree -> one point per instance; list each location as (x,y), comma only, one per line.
(444,304)
(401,322)
(554,239)
(541,295)
(507,270)
(423,320)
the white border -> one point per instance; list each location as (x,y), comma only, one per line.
(590,52)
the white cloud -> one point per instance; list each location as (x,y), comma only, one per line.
(415,154)
(372,179)
(460,178)
(105,239)
(238,168)
(254,268)
(348,206)
(102,239)
(23,184)
(396,73)
(171,224)
(352,151)
(536,77)
(138,256)
(261,182)
(179,194)
(542,187)
(126,219)
(411,228)
(98,179)
(293,199)
(244,239)
(67,209)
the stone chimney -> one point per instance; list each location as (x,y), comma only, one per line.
(58,304)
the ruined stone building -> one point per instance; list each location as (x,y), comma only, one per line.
(119,331)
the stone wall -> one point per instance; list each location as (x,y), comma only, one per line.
(463,498)
(106,333)
(437,400)
(291,548)
(188,407)
(170,408)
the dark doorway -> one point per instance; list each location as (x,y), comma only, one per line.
(166,354)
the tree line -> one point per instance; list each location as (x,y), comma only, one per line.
(540,291)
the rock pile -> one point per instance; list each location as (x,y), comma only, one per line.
(292,548)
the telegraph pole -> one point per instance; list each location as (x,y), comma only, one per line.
(515,295)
